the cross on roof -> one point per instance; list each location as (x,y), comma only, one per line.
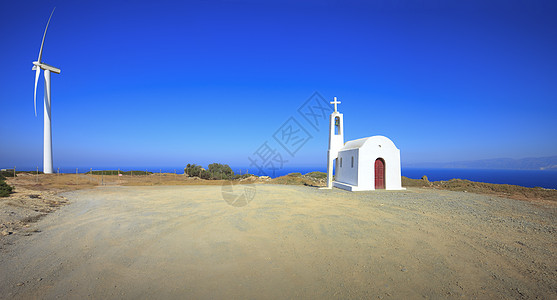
(335,102)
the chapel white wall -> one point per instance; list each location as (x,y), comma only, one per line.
(370,152)
(347,173)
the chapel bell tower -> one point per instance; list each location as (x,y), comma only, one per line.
(336,141)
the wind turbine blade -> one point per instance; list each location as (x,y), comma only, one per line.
(44,35)
(36,81)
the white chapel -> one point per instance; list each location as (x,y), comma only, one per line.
(361,165)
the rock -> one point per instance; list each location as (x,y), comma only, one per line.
(424,178)
(6,232)
(20,283)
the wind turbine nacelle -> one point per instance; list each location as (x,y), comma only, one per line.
(45,67)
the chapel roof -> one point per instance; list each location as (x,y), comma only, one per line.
(359,143)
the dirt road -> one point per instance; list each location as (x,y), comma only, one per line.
(290,241)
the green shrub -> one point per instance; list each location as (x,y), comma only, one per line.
(243,176)
(220,171)
(5,189)
(204,174)
(193,170)
(7,173)
(215,171)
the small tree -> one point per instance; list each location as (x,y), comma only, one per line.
(221,171)
(193,170)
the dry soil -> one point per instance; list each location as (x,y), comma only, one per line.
(288,242)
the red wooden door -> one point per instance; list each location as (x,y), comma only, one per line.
(379,174)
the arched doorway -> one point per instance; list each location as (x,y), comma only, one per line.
(379,174)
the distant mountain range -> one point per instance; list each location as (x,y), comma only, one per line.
(531,163)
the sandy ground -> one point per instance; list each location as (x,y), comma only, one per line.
(288,242)
(37,195)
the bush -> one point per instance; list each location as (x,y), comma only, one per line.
(214,172)
(5,189)
(204,174)
(193,170)
(7,173)
(220,171)
(243,176)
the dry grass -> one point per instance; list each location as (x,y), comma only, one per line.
(502,190)
(67,182)
(299,179)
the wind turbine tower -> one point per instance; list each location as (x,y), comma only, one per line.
(38,66)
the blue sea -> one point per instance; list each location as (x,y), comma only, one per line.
(527,178)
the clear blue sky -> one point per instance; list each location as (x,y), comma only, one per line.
(165,83)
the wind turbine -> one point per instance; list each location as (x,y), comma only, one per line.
(37,66)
